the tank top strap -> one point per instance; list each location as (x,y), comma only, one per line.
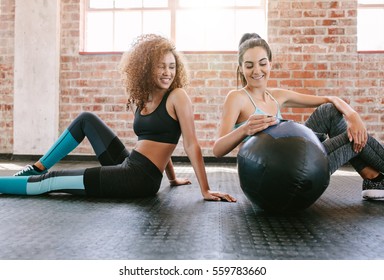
(250,97)
(271,96)
(165,97)
(277,104)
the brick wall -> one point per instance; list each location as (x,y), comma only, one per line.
(314,47)
(7,15)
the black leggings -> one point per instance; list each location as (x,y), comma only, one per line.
(106,145)
(327,121)
(137,176)
(122,174)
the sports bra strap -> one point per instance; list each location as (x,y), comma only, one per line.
(250,97)
(270,95)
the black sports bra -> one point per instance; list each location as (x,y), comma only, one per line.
(157,126)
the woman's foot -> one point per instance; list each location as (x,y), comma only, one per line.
(374,188)
(30,170)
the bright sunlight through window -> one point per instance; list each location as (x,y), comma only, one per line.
(194,25)
(370,25)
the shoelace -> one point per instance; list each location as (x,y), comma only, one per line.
(25,169)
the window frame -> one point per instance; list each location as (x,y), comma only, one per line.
(367,6)
(173,7)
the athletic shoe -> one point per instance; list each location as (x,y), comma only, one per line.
(29,171)
(373,190)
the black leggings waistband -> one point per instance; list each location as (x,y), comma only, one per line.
(143,161)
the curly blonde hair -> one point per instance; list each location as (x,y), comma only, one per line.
(138,65)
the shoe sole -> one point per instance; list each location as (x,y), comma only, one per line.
(373,194)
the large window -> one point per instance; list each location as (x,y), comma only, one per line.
(370,25)
(194,25)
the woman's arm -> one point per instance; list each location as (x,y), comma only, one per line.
(183,109)
(357,131)
(228,137)
(171,175)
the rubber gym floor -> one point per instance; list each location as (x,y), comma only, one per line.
(178,224)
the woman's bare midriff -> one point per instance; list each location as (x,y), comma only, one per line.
(158,153)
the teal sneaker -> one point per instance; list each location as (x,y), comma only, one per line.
(29,171)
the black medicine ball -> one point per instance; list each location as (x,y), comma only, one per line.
(283,168)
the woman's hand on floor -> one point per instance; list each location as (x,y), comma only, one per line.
(179,182)
(218,196)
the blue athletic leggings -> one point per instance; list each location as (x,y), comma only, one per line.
(328,121)
(122,174)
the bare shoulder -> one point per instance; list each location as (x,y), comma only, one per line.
(280,94)
(276,92)
(235,93)
(178,98)
(235,96)
(178,93)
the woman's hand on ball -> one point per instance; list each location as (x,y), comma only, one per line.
(257,123)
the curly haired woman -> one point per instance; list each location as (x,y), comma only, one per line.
(154,77)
